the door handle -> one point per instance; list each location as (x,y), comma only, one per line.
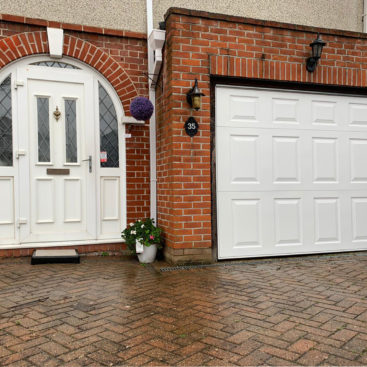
(89,159)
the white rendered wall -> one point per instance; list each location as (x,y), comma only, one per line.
(131,14)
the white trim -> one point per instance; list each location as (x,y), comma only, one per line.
(156,41)
(289,90)
(149,16)
(55,42)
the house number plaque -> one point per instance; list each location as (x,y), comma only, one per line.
(191,127)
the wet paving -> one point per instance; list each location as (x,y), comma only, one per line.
(109,311)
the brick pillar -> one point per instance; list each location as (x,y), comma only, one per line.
(183,162)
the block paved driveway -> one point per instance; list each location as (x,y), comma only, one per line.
(109,311)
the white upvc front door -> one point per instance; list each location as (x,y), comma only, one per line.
(57,190)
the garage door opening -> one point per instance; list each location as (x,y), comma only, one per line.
(291,172)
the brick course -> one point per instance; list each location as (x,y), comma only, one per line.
(117,248)
(203,45)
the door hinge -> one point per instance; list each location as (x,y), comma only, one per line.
(21,221)
(20,152)
(18,83)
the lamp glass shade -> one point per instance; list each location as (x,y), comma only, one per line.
(196,102)
(317,47)
(316,50)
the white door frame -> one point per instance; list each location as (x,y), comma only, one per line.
(19,71)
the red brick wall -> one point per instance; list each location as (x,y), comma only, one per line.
(200,45)
(111,248)
(121,57)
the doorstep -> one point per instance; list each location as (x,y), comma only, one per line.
(55,256)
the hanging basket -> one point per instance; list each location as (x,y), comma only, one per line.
(141,108)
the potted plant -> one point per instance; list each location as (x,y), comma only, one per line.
(143,238)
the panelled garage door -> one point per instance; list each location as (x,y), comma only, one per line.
(291,172)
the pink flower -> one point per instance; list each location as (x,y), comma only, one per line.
(151,237)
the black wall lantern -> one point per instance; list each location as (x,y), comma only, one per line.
(193,96)
(317,45)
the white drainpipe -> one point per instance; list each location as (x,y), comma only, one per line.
(152,124)
(364,17)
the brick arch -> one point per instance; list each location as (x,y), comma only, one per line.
(33,43)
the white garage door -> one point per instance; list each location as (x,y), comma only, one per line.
(291,172)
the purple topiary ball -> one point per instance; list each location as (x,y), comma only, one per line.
(141,108)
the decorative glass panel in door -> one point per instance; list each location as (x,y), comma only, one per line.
(6,128)
(43,129)
(55,64)
(71,131)
(109,142)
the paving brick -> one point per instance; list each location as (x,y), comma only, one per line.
(313,358)
(338,361)
(224,355)
(129,353)
(362,316)
(301,346)
(4,352)
(190,349)
(20,364)
(197,359)
(139,360)
(62,338)
(218,343)
(356,345)
(281,353)
(104,358)
(255,358)
(77,354)
(275,361)
(293,335)
(247,347)
(240,337)
(344,335)
(54,349)
(165,345)
(338,352)
(163,356)
(284,326)
(11,359)
(39,359)
(218,362)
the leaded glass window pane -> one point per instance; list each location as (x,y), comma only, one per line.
(55,64)
(70,131)
(6,128)
(108,129)
(43,129)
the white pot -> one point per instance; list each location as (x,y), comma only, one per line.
(148,254)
